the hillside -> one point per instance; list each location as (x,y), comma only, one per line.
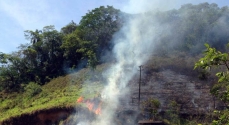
(88,73)
(59,93)
(165,82)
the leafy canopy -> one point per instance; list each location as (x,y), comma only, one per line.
(216,59)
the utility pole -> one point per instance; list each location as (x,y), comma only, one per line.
(139,91)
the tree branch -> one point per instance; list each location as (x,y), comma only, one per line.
(225,62)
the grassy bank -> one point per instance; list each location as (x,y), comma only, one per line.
(59,92)
(65,90)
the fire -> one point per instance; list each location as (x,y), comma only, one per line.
(80,99)
(98,110)
(91,105)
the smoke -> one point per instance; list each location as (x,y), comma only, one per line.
(134,44)
(136,6)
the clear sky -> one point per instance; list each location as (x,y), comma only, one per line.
(16,16)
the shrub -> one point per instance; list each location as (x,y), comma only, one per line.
(151,106)
(32,89)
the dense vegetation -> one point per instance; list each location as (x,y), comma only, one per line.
(53,53)
(61,92)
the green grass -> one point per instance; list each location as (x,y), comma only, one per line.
(59,92)
(65,90)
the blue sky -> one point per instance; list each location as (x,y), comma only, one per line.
(16,16)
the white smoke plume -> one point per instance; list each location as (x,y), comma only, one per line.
(134,44)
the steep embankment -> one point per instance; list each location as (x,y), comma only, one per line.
(57,97)
(169,78)
(41,117)
(172,79)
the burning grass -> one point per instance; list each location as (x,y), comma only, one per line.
(75,89)
(93,105)
(60,92)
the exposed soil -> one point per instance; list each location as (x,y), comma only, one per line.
(192,96)
(42,117)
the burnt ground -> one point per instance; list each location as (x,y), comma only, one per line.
(192,96)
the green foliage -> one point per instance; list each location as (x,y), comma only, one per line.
(3,58)
(92,37)
(11,72)
(172,115)
(68,29)
(223,118)
(217,59)
(192,26)
(97,27)
(75,49)
(59,92)
(213,58)
(44,56)
(32,89)
(151,106)
(50,52)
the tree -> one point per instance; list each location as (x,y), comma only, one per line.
(68,29)
(11,73)
(216,59)
(47,55)
(71,44)
(36,49)
(52,40)
(97,27)
(193,25)
(3,58)
(77,51)
(33,36)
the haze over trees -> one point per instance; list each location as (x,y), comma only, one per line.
(51,53)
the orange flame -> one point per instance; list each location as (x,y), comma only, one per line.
(90,105)
(80,99)
(98,110)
